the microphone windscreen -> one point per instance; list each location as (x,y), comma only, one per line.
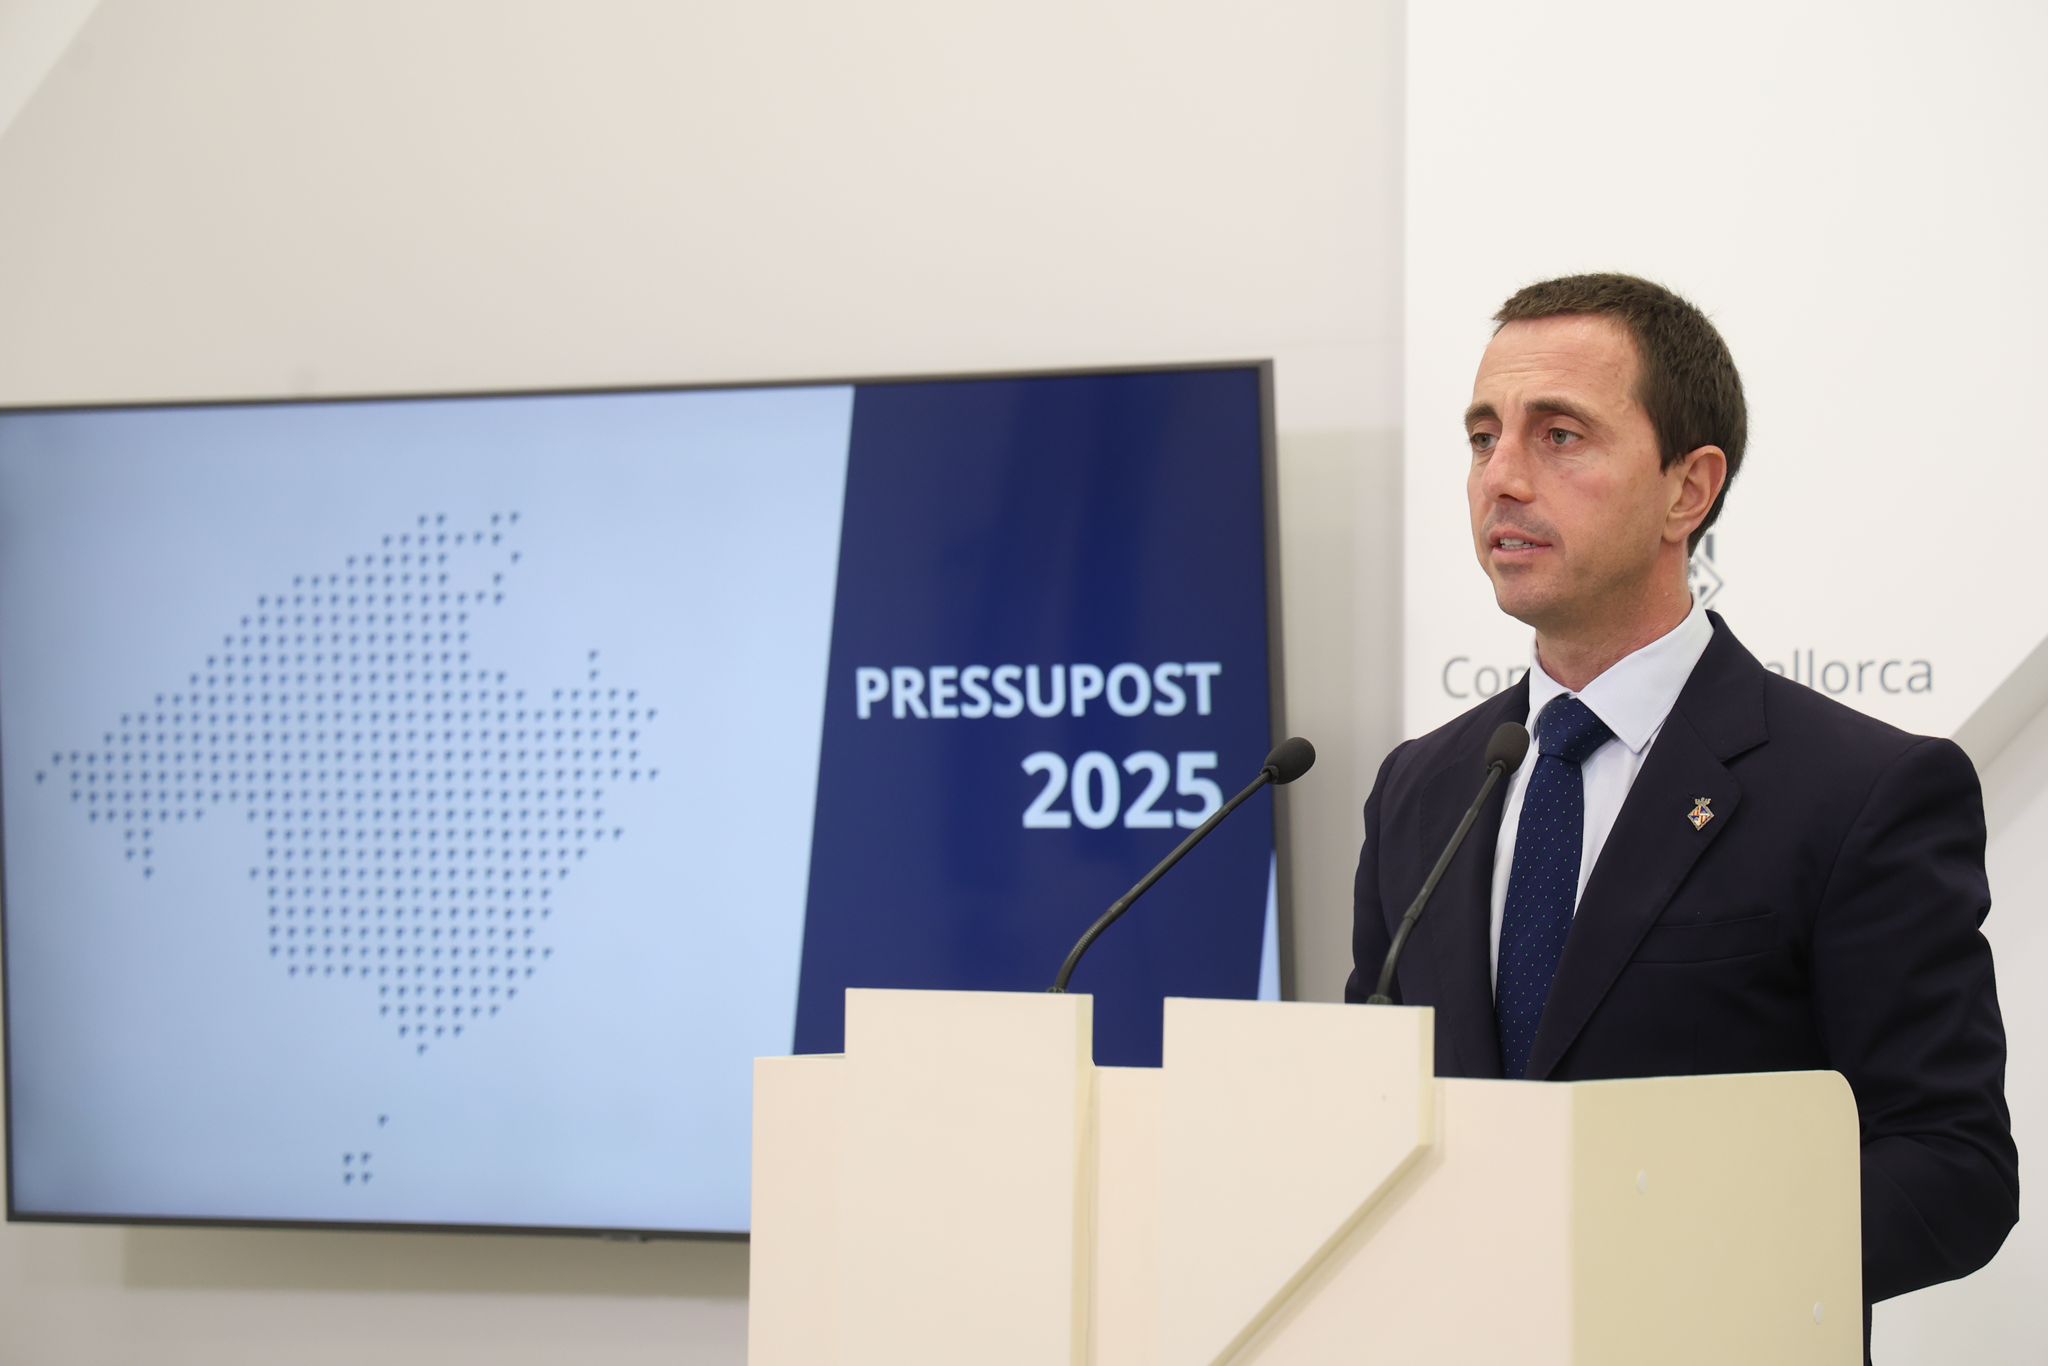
(1290,759)
(1508,747)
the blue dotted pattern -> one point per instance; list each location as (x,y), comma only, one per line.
(418,809)
(1543,884)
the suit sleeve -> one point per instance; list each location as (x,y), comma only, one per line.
(1908,1011)
(1369,936)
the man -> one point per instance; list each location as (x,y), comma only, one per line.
(1702,866)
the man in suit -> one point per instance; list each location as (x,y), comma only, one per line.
(1702,866)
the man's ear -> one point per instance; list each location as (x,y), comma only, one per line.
(1695,480)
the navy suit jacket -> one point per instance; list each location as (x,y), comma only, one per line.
(1827,917)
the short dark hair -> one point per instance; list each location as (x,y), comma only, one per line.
(1688,384)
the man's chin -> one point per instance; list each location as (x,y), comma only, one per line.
(1522,602)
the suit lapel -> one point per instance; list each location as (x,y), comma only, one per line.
(1653,844)
(1452,940)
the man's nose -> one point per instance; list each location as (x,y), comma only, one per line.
(1507,471)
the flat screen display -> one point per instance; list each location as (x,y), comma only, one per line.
(421,811)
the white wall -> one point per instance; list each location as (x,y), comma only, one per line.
(33,35)
(241,198)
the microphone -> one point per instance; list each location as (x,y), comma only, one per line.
(1504,754)
(1290,759)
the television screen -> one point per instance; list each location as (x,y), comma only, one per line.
(421,811)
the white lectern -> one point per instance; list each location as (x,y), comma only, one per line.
(1294,1185)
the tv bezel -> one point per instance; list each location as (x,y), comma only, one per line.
(1269,484)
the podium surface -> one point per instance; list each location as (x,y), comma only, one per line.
(1292,1185)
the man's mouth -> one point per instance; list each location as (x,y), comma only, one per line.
(1513,542)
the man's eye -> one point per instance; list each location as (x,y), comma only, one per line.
(1561,436)
(1482,442)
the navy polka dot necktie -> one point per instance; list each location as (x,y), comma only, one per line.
(1543,884)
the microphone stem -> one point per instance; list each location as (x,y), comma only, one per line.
(1123,903)
(1382,995)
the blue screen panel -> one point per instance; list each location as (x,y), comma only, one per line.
(1062,584)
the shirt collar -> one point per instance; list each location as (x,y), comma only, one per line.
(1636,692)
